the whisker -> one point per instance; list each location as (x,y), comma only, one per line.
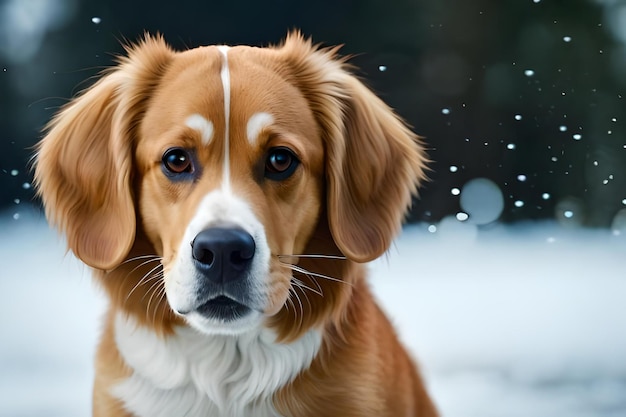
(317,284)
(155,290)
(154,285)
(301,307)
(311,256)
(137,258)
(161,296)
(304,293)
(288,300)
(145,279)
(150,258)
(154,277)
(302,285)
(145,263)
(301,270)
(290,296)
(165,310)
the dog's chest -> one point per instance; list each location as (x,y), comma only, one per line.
(191,374)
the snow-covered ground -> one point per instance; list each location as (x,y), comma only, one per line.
(511,321)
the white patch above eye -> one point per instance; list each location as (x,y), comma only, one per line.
(256,124)
(199,123)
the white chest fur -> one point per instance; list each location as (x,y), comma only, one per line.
(192,374)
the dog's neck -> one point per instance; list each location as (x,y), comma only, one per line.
(188,373)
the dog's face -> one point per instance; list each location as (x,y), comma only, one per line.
(230,179)
(221,163)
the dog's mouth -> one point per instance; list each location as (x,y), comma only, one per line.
(223,308)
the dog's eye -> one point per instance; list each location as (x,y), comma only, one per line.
(280,164)
(177,161)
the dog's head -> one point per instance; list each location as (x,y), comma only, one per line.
(211,175)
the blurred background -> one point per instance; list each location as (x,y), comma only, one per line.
(528,94)
(508,286)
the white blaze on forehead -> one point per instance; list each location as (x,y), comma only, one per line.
(225,75)
(256,124)
(199,123)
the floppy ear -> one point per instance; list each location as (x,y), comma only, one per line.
(84,163)
(374,163)
(373,170)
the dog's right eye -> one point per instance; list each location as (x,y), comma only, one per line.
(177,161)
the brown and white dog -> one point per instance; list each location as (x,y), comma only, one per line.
(225,198)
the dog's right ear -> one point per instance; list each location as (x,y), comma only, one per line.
(83,166)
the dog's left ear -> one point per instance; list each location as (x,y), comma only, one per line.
(373,170)
(374,162)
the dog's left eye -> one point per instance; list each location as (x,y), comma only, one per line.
(177,161)
(280,164)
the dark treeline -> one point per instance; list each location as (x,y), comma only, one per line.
(526,93)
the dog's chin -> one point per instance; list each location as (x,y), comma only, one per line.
(224,319)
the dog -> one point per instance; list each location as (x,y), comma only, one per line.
(226,199)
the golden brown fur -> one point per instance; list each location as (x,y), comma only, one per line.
(96,173)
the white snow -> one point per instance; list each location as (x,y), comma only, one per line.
(525,320)
(517,321)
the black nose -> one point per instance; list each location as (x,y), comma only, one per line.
(223,253)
